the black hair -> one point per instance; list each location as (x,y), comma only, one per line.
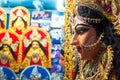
(105,27)
(40,45)
(25,23)
(62,52)
(2,24)
(88,12)
(11,50)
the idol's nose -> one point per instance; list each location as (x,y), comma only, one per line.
(75,40)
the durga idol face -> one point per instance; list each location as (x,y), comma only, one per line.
(84,35)
(35,45)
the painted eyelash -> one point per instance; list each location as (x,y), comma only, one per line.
(81,30)
(82,25)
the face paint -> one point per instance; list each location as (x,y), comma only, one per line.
(84,36)
(90,41)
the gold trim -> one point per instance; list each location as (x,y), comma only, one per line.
(111,10)
(14,65)
(100,67)
(26,17)
(47,62)
(69,9)
(89,20)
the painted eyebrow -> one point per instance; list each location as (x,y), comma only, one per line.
(82,25)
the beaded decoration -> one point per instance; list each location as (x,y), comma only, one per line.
(100,67)
(94,44)
(90,20)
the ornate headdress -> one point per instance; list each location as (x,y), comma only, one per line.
(102,8)
(92,6)
(35,35)
(19,13)
(19,19)
(38,35)
(10,38)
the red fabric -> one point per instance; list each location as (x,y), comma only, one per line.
(14,12)
(1,12)
(19,31)
(27,35)
(32,63)
(14,40)
(7,64)
(73,75)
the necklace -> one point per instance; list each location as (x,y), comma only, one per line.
(99,69)
(4,56)
(35,55)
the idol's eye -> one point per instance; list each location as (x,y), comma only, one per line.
(73,32)
(81,30)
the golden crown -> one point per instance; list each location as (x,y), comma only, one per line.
(110,8)
(35,35)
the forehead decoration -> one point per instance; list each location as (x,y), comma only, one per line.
(107,10)
(89,13)
(93,15)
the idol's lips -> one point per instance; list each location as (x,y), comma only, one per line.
(79,49)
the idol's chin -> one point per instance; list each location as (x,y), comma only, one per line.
(81,56)
(79,51)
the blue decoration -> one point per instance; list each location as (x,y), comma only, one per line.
(35,72)
(7,74)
